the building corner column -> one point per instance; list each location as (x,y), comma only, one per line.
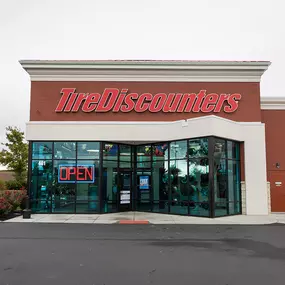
(269,197)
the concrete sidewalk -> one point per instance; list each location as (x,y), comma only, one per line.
(151,218)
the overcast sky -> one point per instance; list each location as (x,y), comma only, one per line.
(133,29)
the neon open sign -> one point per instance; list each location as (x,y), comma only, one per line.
(68,173)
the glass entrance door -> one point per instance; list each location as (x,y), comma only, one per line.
(125,191)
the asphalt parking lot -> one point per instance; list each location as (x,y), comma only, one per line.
(141,254)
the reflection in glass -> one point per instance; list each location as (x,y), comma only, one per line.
(125,156)
(198,147)
(199,203)
(178,150)
(220,186)
(88,150)
(145,164)
(63,194)
(143,153)
(110,151)
(178,187)
(160,151)
(64,150)
(41,185)
(177,175)
(234,187)
(219,148)
(42,150)
(63,198)
(160,185)
(110,186)
(87,195)
(232,150)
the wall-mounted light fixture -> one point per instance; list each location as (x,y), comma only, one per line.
(277,165)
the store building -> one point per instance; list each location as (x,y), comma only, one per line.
(180,137)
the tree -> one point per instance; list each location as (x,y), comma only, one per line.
(15,153)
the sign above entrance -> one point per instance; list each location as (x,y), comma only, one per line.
(115,100)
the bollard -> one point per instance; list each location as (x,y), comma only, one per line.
(27,211)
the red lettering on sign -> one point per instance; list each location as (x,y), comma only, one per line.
(120,100)
(64,98)
(222,99)
(187,103)
(233,103)
(71,174)
(70,102)
(114,100)
(129,101)
(108,99)
(199,100)
(61,174)
(80,173)
(141,106)
(209,103)
(172,102)
(157,102)
(90,103)
(71,171)
(81,97)
(89,173)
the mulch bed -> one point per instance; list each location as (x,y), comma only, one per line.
(10,216)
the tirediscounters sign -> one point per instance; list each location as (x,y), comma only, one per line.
(68,173)
(119,100)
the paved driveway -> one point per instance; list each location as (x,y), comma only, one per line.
(86,254)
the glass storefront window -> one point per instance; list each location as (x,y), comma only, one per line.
(42,150)
(178,187)
(87,194)
(198,147)
(145,164)
(144,184)
(110,151)
(143,153)
(63,198)
(160,151)
(221,187)
(234,187)
(199,188)
(41,185)
(144,187)
(64,150)
(88,150)
(233,150)
(56,168)
(219,148)
(220,178)
(160,186)
(110,163)
(110,187)
(170,177)
(63,187)
(178,150)
(125,156)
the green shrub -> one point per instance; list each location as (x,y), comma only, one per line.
(2,185)
(15,185)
